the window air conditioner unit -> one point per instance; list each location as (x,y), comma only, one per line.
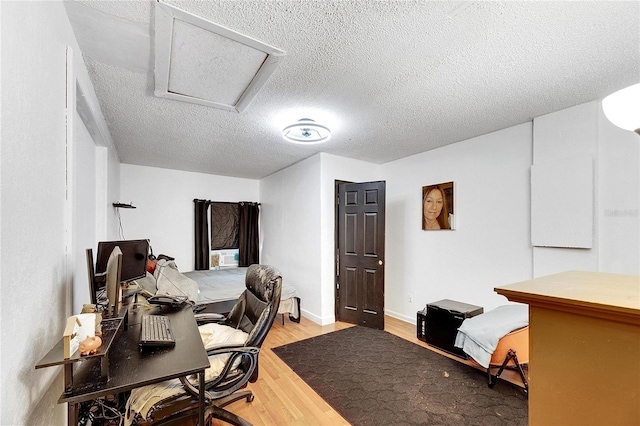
(228,260)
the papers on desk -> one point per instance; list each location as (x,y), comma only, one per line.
(71,341)
(78,328)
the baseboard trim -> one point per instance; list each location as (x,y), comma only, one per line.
(326,320)
(396,315)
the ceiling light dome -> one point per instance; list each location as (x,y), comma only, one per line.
(306,131)
(622,108)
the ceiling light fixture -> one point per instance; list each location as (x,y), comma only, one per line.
(622,108)
(306,131)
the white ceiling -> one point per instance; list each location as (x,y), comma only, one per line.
(390,78)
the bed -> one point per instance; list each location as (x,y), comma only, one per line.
(498,338)
(210,286)
(225,284)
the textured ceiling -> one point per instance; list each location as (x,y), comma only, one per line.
(390,78)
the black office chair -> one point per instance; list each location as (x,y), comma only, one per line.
(254,313)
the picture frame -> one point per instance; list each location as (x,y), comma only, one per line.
(438,207)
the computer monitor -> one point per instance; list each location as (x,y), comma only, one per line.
(114,290)
(134,258)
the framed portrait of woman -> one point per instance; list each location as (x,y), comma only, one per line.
(438,207)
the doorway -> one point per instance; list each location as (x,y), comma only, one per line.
(360,234)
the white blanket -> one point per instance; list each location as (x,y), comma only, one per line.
(479,336)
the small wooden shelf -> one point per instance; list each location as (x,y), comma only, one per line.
(110,329)
(56,354)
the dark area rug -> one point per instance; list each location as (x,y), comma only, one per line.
(372,377)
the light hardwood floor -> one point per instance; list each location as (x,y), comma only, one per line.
(282,398)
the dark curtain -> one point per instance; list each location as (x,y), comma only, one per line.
(201,235)
(248,238)
(224,225)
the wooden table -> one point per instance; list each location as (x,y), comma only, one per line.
(128,366)
(584,337)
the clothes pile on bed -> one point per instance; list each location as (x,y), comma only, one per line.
(165,279)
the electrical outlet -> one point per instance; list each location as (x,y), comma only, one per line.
(410,298)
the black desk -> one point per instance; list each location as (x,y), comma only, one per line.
(128,366)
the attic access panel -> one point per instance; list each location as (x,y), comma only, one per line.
(201,62)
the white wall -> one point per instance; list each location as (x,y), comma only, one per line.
(298,218)
(112,194)
(490,245)
(164,211)
(96,185)
(563,135)
(290,218)
(84,211)
(618,208)
(581,131)
(36,274)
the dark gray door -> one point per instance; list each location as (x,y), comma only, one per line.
(360,253)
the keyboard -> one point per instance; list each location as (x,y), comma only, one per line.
(156,331)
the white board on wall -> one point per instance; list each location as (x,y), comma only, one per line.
(562,203)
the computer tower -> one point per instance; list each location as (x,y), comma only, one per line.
(443,319)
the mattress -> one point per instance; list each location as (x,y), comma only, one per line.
(220,285)
(479,336)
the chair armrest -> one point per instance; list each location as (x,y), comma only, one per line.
(209,318)
(231,349)
(229,380)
